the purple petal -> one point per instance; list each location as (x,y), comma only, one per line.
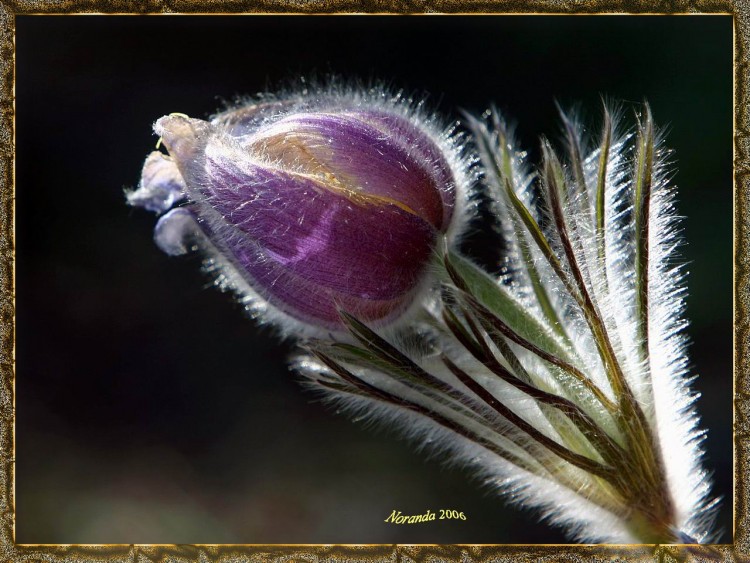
(368,249)
(361,156)
(423,149)
(301,297)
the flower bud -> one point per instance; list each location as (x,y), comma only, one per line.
(309,206)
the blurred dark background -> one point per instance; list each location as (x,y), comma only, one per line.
(150,410)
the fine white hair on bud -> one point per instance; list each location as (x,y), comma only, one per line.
(307,203)
(336,213)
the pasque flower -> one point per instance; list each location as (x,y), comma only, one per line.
(310,204)
(563,381)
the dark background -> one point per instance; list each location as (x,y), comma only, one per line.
(151,410)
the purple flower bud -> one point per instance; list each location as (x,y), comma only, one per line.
(310,206)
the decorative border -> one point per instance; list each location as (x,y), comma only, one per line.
(739,550)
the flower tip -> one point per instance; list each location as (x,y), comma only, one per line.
(182,135)
(161,184)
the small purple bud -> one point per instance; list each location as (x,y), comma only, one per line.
(161,184)
(309,206)
(173,231)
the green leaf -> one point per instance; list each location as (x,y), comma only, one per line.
(501,303)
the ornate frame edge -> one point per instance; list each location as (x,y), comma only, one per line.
(10,551)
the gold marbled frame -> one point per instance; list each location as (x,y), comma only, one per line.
(10,551)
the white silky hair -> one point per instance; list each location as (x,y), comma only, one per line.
(511,375)
(558,505)
(653,359)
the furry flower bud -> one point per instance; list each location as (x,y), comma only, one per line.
(309,206)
